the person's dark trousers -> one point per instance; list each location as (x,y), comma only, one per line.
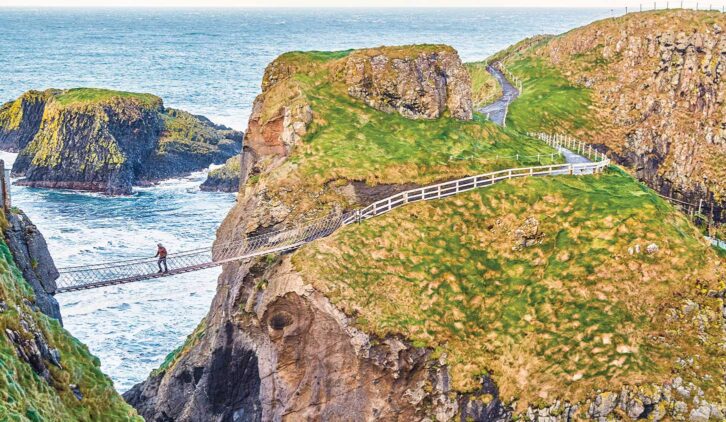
(163,261)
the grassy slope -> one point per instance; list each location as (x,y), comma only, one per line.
(351,141)
(556,98)
(549,101)
(25,396)
(559,319)
(484,88)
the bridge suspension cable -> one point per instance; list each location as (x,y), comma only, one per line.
(127,271)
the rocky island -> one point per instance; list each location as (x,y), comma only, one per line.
(225,178)
(549,298)
(107,141)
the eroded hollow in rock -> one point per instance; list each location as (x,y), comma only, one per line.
(280,320)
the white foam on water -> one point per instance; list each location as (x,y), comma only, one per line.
(131,327)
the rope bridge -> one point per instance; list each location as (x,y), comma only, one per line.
(119,272)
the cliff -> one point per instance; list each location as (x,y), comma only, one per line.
(647,87)
(107,141)
(497,303)
(46,373)
(31,256)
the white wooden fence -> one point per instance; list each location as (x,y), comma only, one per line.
(443,190)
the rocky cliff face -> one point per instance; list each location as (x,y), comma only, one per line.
(107,141)
(422,85)
(20,120)
(31,255)
(275,347)
(47,374)
(658,85)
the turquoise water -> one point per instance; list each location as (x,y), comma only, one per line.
(208,62)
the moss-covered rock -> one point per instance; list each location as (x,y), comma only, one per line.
(45,373)
(107,141)
(225,178)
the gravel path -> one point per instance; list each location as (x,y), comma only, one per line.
(497,112)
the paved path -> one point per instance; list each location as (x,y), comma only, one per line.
(497,111)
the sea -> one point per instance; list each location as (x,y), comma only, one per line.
(209,62)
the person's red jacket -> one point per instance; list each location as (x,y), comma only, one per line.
(161,253)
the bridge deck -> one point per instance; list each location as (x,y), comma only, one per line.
(121,272)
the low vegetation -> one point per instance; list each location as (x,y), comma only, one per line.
(229,171)
(96,95)
(24,395)
(549,102)
(581,307)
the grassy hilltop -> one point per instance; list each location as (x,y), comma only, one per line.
(648,87)
(350,141)
(559,320)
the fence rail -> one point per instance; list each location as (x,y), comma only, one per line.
(127,271)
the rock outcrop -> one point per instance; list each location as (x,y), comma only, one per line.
(32,257)
(225,178)
(107,141)
(418,84)
(256,329)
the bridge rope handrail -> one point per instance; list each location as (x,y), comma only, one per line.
(284,239)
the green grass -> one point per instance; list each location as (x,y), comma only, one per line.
(96,95)
(558,319)
(549,101)
(356,142)
(23,394)
(484,88)
(350,141)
